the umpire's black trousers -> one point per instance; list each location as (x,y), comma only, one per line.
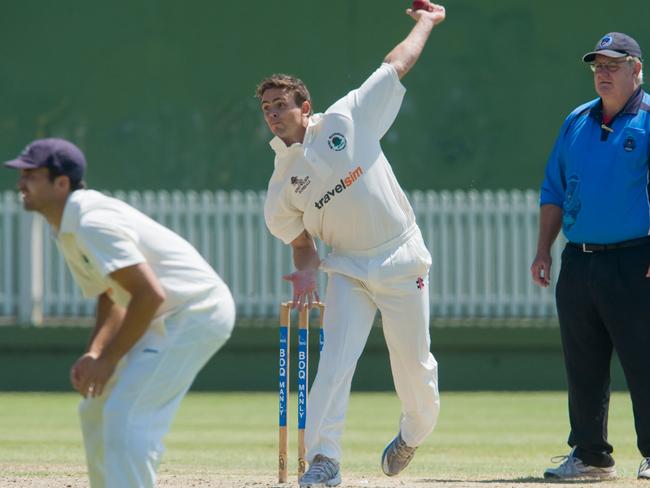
(603,303)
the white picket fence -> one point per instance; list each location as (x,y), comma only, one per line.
(482,245)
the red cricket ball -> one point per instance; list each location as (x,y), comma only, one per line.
(422,5)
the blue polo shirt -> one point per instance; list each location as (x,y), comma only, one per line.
(599,174)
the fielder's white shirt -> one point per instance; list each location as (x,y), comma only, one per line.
(100,234)
(337,184)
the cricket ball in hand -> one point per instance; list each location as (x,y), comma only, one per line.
(422,5)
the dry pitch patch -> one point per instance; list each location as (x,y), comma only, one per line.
(43,476)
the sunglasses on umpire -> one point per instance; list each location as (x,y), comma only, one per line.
(610,66)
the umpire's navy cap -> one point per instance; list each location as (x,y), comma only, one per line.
(57,154)
(614,45)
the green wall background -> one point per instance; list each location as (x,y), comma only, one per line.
(159,92)
(470,357)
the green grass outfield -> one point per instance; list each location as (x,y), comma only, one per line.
(504,438)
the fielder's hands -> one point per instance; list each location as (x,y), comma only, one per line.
(304,287)
(90,374)
(540,270)
(437,15)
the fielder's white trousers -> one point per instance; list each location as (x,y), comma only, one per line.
(357,287)
(123,429)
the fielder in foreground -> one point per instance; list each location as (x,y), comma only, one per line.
(162,312)
(332,181)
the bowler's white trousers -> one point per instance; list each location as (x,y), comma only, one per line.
(394,279)
(124,427)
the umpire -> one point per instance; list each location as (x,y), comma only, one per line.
(596,189)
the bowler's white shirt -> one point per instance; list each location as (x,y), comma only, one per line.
(100,234)
(337,184)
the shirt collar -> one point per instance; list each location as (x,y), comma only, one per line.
(278,146)
(631,107)
(314,121)
(71,213)
(281,149)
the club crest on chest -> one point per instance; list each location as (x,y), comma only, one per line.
(629,144)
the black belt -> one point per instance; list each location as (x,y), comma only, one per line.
(584,247)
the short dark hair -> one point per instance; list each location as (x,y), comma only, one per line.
(287,83)
(53,174)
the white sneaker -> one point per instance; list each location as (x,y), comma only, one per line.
(572,467)
(396,456)
(644,469)
(323,471)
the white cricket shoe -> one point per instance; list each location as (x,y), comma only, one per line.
(572,467)
(396,456)
(644,469)
(323,471)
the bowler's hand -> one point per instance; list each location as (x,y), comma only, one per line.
(304,287)
(90,374)
(437,15)
(540,270)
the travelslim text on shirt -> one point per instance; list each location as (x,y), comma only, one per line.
(338,188)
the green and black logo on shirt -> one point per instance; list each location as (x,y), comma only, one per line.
(337,142)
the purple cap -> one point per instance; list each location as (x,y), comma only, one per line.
(614,45)
(57,154)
